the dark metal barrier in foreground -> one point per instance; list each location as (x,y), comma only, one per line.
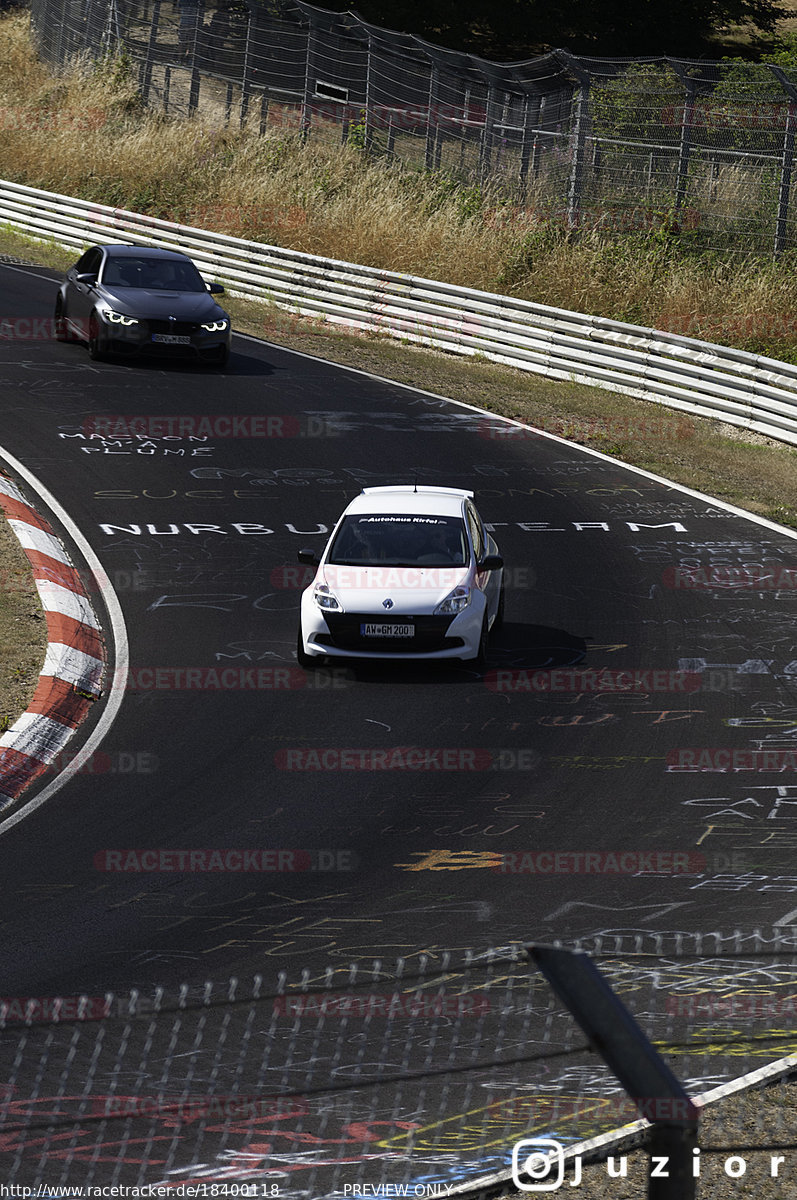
(429,1072)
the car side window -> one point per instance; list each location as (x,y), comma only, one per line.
(89,263)
(476,532)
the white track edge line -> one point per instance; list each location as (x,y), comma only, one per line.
(486,412)
(121,648)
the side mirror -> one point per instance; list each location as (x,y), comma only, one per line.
(89,279)
(215,289)
(493,562)
(309,558)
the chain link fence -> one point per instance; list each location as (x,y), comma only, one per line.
(703,150)
(425,1072)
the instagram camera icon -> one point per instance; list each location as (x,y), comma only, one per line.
(537,1158)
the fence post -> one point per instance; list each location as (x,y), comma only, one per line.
(246,81)
(787,160)
(532,107)
(309,81)
(193,92)
(369,101)
(578,136)
(485,155)
(431,128)
(149,61)
(690,87)
(578,144)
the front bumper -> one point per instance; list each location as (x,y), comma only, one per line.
(339,635)
(140,339)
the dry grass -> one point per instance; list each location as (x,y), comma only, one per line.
(84,133)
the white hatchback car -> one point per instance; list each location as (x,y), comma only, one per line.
(408,573)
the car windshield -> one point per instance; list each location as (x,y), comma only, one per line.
(400,540)
(157,274)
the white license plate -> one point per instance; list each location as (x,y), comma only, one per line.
(388,631)
(172,339)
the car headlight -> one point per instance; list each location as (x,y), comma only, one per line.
(117,318)
(215,326)
(455,603)
(325,599)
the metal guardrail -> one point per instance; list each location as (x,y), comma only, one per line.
(708,380)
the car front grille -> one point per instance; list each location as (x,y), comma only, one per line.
(430,634)
(182,328)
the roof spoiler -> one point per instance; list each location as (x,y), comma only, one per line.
(410,487)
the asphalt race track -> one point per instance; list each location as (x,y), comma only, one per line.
(199,535)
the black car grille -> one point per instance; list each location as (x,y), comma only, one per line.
(430,634)
(179,327)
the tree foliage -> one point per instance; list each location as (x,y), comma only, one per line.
(516,29)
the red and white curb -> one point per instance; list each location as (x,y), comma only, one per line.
(71,678)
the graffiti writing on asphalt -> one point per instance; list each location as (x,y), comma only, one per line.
(253,528)
(148,447)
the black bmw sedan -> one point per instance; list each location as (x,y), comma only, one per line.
(130,300)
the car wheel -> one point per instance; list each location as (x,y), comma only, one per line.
(499,616)
(302,657)
(481,653)
(62,331)
(95,351)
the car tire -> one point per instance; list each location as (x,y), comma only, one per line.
(499,615)
(302,657)
(96,353)
(62,330)
(481,654)
(223,357)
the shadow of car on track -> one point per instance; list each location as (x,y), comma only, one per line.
(239,365)
(515,647)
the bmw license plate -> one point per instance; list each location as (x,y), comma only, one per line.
(172,339)
(387,631)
